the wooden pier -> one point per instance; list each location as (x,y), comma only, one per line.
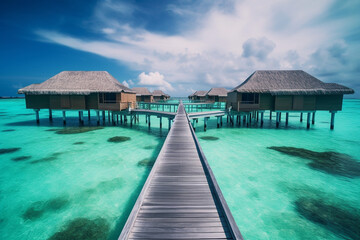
(181,198)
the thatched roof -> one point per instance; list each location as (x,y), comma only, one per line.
(221,92)
(141,91)
(77,83)
(199,94)
(288,82)
(159,93)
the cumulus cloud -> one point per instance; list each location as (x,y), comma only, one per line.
(126,84)
(223,45)
(155,79)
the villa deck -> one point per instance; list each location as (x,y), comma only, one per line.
(181,198)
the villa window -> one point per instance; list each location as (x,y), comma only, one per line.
(250,98)
(107,98)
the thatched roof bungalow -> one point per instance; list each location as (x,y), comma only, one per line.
(160,95)
(82,90)
(198,96)
(217,95)
(143,94)
(286,90)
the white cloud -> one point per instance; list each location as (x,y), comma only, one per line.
(221,48)
(126,84)
(155,79)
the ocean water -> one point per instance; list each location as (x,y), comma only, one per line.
(286,183)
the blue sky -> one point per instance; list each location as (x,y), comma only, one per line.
(178,46)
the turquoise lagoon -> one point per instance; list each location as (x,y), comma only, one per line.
(55,183)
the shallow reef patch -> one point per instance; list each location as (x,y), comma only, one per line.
(338,218)
(83,228)
(209,138)
(21,158)
(50,158)
(8,150)
(150,147)
(118,139)
(330,162)
(8,130)
(76,130)
(38,209)
(78,143)
(146,162)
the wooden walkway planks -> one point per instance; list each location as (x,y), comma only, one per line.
(180,199)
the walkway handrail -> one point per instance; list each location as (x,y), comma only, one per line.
(235,232)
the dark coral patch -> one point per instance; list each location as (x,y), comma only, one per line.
(118,139)
(8,150)
(76,130)
(78,143)
(83,228)
(50,158)
(38,209)
(209,138)
(338,218)
(330,162)
(149,147)
(146,162)
(21,158)
(8,130)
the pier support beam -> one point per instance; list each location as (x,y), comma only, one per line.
(308,120)
(287,119)
(169,123)
(313,118)
(218,121)
(332,120)
(205,123)
(50,115)
(221,120)
(301,117)
(64,117)
(160,118)
(262,119)
(248,119)
(194,124)
(131,120)
(98,117)
(270,115)
(277,119)
(81,120)
(149,121)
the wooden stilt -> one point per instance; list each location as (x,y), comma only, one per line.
(287,119)
(257,116)
(160,122)
(146,118)
(37,115)
(169,123)
(262,119)
(194,124)
(313,118)
(248,119)
(81,121)
(308,120)
(218,121)
(205,123)
(332,120)
(108,116)
(131,120)
(117,119)
(270,115)
(64,117)
(89,115)
(103,116)
(149,121)
(50,115)
(277,119)
(221,122)
(301,117)
(98,117)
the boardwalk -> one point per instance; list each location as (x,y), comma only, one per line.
(180,199)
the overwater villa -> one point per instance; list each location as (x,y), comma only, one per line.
(79,90)
(287,91)
(160,96)
(217,95)
(143,94)
(198,96)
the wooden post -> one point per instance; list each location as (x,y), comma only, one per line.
(50,115)
(270,115)
(248,119)
(332,120)
(160,122)
(221,117)
(146,118)
(121,119)
(89,114)
(103,116)
(205,123)
(117,119)
(108,116)
(149,121)
(98,117)
(308,121)
(131,120)
(169,122)
(277,119)
(313,118)
(301,117)
(194,124)
(218,122)
(287,119)
(64,117)
(37,115)
(81,118)
(257,116)
(262,119)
